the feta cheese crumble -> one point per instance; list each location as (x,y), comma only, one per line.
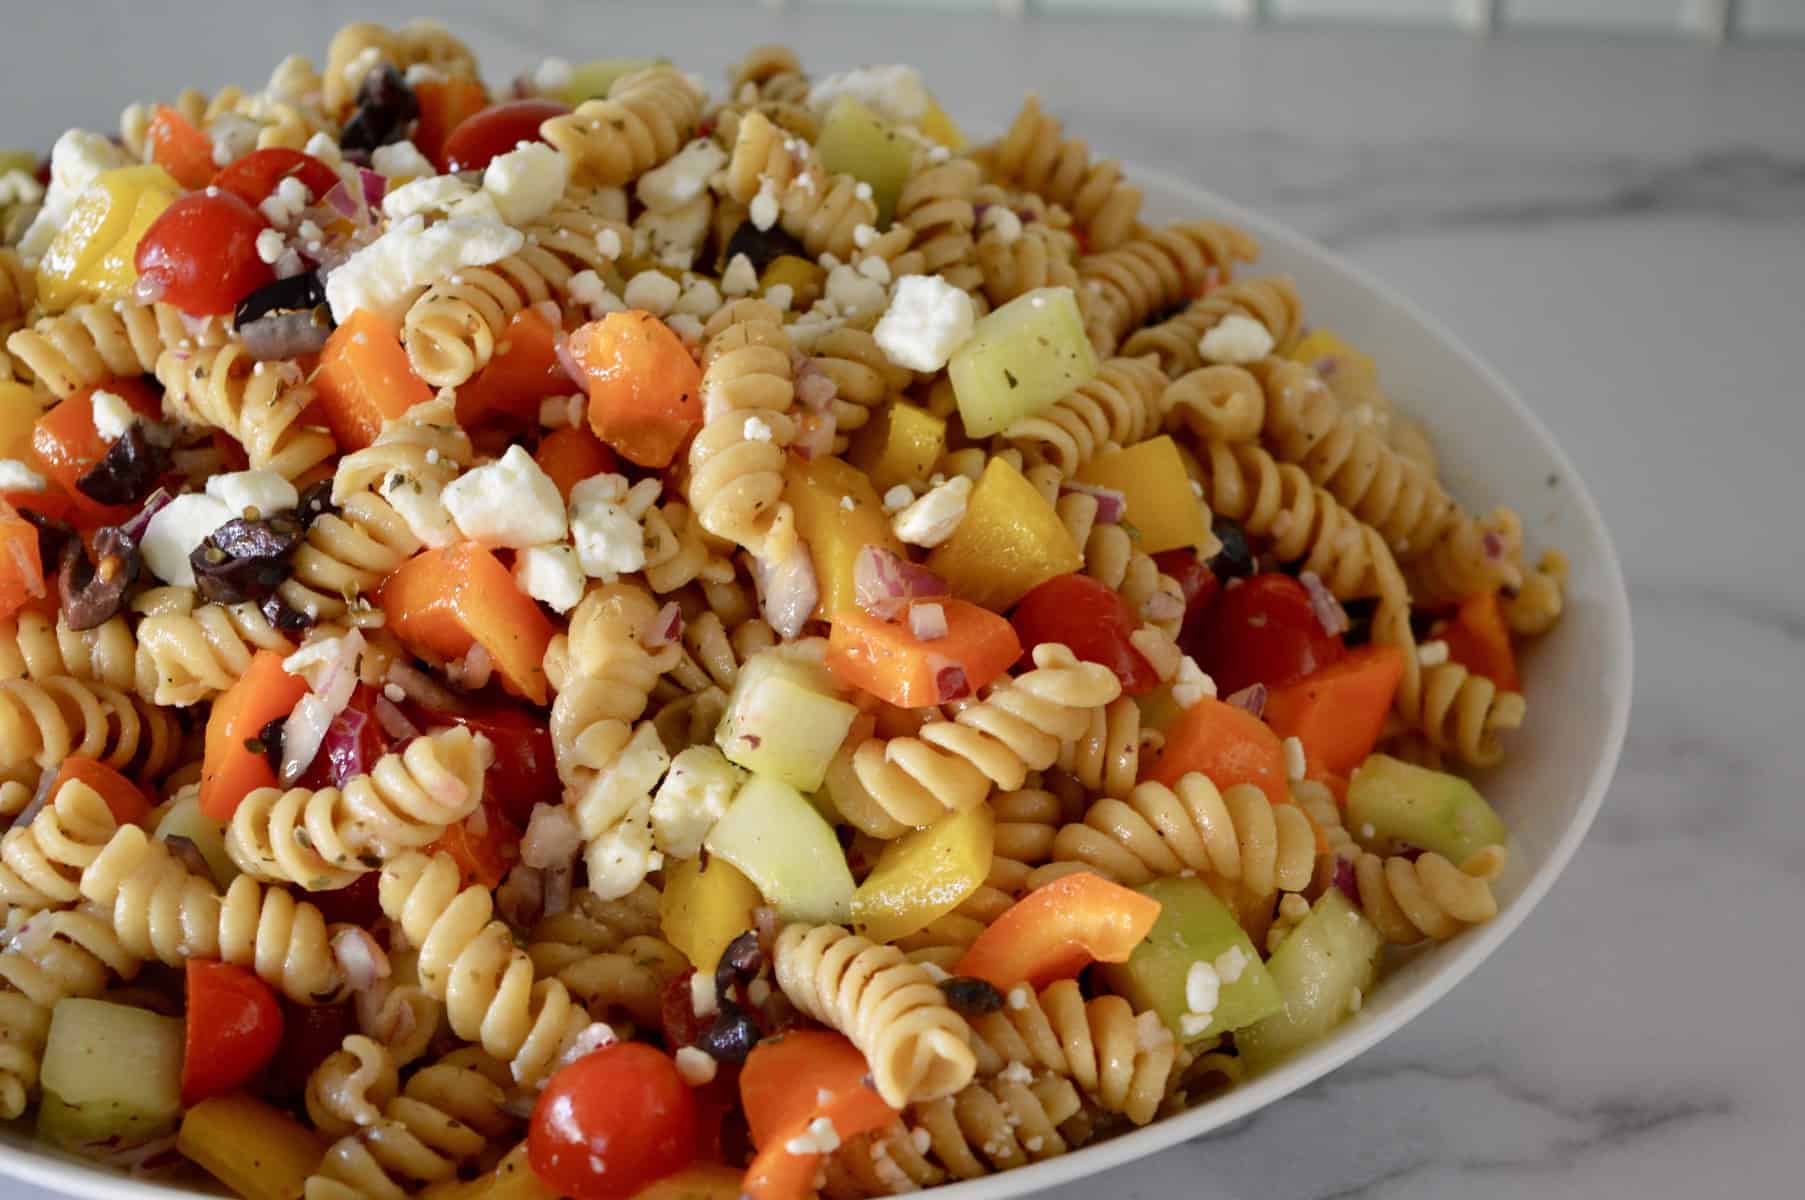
(609,539)
(1295,766)
(263,491)
(927,320)
(691,799)
(763,210)
(551,575)
(932,519)
(391,271)
(683,179)
(175,531)
(15,476)
(892,90)
(653,291)
(510,502)
(1236,340)
(112,415)
(1432,654)
(526,182)
(401,159)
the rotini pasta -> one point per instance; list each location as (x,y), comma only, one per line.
(41,863)
(823,211)
(32,646)
(1270,300)
(57,955)
(1120,288)
(647,118)
(43,722)
(260,404)
(1035,154)
(736,460)
(1121,404)
(188,653)
(1428,897)
(91,343)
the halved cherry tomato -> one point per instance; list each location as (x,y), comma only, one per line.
(1194,578)
(234,1029)
(1264,631)
(253,177)
(124,799)
(203,252)
(497,130)
(309,1034)
(612,1122)
(1091,620)
(357,903)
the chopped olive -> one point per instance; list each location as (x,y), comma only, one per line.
(245,559)
(269,740)
(971,997)
(284,616)
(54,535)
(315,502)
(740,963)
(1359,620)
(386,106)
(127,472)
(1235,559)
(297,293)
(731,1038)
(92,593)
(760,246)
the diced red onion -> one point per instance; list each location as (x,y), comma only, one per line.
(1329,613)
(188,854)
(374,186)
(340,677)
(478,822)
(568,361)
(1111,504)
(520,1104)
(1327,365)
(551,838)
(1494,545)
(1344,879)
(153,504)
(521,897)
(787,590)
(358,956)
(149,289)
(1252,698)
(347,204)
(951,684)
(814,387)
(551,312)
(592,1038)
(1163,606)
(302,735)
(154,1157)
(347,753)
(927,621)
(473,670)
(666,627)
(814,436)
(558,882)
(394,722)
(38,799)
(423,689)
(766,924)
(884,582)
(284,335)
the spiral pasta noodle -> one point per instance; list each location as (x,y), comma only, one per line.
(1472,556)
(1271,300)
(91,343)
(18,290)
(1428,897)
(32,646)
(1122,287)
(443,1118)
(1017,727)
(918,1047)
(259,404)
(363,43)
(935,205)
(1537,603)
(712,654)
(1035,154)
(1040,256)
(188,653)
(325,838)
(678,551)
(1106,757)
(45,721)
(592,925)
(772,69)
(1222,403)
(470,963)
(629,979)
(646,118)
(162,911)
(41,863)
(736,461)
(1095,1043)
(862,374)
(1121,404)
(1112,558)
(1237,835)
(58,955)
(823,211)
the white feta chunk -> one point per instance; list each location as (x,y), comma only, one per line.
(1231,963)
(927,320)
(270,246)
(420,501)
(1432,653)
(610,541)
(763,210)
(551,575)
(264,490)
(672,237)
(1203,987)
(15,476)
(893,90)
(653,291)
(700,299)
(683,179)
(695,793)
(509,502)
(695,1067)
(401,160)
(112,415)
(76,161)
(854,295)
(429,193)
(1295,765)
(526,182)
(1191,685)
(175,531)
(1236,340)
(932,519)
(386,275)
(739,279)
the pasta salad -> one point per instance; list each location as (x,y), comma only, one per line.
(592,638)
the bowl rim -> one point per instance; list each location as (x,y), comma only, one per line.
(52,1170)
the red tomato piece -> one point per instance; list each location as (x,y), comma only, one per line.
(234,1029)
(253,177)
(1194,578)
(612,1122)
(496,130)
(1089,619)
(203,251)
(524,772)
(357,903)
(677,1013)
(309,1034)
(1264,631)
(484,846)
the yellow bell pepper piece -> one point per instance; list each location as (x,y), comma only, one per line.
(512,1179)
(704,907)
(937,125)
(20,407)
(1163,508)
(1010,540)
(838,513)
(705,1181)
(900,444)
(805,280)
(92,254)
(925,875)
(258,1151)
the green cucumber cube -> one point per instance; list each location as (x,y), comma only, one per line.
(1427,809)
(856,141)
(1319,967)
(780,842)
(1194,926)
(1021,358)
(110,1069)
(783,720)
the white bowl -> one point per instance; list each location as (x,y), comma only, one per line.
(1493,450)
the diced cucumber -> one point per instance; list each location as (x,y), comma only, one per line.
(856,141)
(783,720)
(184,819)
(591,80)
(778,841)
(1020,359)
(1320,965)
(110,1070)
(1194,926)
(1419,807)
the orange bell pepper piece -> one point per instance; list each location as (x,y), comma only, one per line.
(230,769)
(1058,929)
(1338,712)
(484,846)
(645,391)
(524,371)
(886,659)
(179,148)
(790,1081)
(364,379)
(66,445)
(444,103)
(21,570)
(1228,744)
(444,601)
(1479,641)
(570,456)
(124,798)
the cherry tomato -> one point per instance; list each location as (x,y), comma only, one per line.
(677,1013)
(612,1122)
(203,251)
(234,1029)
(1090,619)
(496,130)
(1194,577)
(309,1034)
(1264,631)
(253,177)
(524,772)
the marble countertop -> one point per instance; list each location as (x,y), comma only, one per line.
(1619,226)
